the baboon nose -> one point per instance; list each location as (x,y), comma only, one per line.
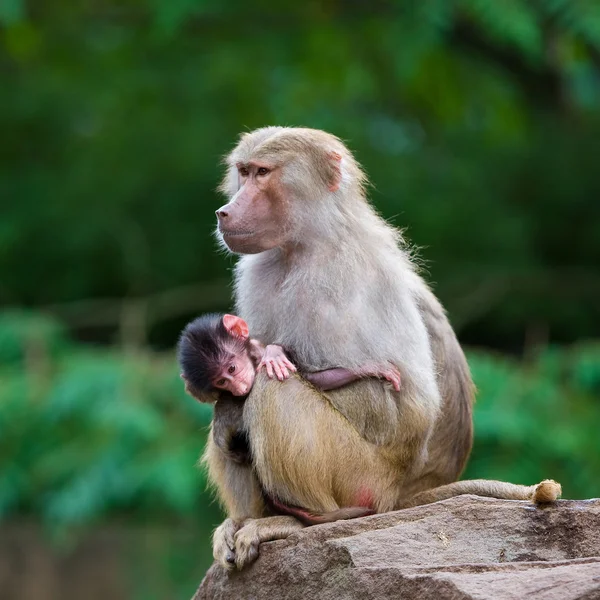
(221,214)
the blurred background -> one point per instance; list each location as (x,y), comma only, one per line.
(478,123)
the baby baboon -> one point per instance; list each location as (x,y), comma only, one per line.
(219,360)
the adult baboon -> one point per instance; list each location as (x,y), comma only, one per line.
(326,278)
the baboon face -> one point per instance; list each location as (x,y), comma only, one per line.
(256,218)
(278,181)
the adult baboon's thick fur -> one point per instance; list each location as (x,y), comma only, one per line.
(328,279)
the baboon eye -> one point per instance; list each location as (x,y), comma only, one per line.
(231,369)
(220,382)
(262,171)
(243,171)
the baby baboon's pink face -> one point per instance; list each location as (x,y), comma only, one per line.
(237,376)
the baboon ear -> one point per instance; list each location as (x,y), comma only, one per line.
(335,163)
(236,326)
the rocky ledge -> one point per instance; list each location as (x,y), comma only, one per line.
(458,549)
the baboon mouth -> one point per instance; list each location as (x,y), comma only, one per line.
(235,233)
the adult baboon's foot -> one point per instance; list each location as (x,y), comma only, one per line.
(247,541)
(224,543)
(254,531)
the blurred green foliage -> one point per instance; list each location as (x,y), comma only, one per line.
(92,432)
(539,420)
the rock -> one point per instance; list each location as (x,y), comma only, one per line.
(458,549)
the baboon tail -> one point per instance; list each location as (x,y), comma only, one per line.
(541,493)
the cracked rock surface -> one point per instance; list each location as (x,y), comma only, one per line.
(459,549)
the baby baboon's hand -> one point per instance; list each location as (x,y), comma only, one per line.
(388,372)
(276,363)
